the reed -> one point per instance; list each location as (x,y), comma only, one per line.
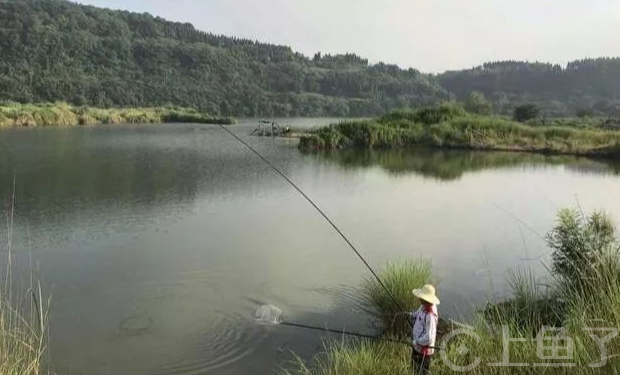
(23,332)
(23,320)
(62,114)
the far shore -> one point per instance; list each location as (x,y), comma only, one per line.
(16,115)
(450,126)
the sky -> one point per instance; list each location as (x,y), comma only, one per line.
(430,35)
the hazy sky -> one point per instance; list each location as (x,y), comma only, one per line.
(431,35)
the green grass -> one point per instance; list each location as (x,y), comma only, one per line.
(62,114)
(575,301)
(400,279)
(450,126)
(355,357)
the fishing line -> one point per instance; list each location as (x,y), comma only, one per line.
(526,225)
(271,315)
(278,171)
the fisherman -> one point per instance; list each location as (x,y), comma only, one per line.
(425,321)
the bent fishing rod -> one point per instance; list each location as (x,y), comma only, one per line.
(342,332)
(356,334)
(321,212)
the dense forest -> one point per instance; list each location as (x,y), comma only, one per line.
(584,87)
(53,50)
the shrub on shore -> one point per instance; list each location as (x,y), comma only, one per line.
(62,114)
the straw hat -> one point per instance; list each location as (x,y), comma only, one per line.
(427,293)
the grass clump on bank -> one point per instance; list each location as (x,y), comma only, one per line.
(63,114)
(359,358)
(400,278)
(582,296)
(450,126)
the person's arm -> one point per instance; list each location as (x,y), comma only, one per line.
(430,331)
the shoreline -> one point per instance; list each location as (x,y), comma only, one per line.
(17,115)
(530,310)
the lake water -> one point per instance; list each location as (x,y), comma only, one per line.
(158,242)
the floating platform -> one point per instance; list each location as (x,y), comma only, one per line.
(271,129)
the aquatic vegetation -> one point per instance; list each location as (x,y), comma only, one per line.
(63,114)
(578,302)
(450,126)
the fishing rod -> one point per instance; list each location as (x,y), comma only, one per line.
(341,332)
(285,177)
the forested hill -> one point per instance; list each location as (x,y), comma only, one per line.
(582,87)
(54,50)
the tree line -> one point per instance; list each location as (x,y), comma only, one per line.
(53,50)
(583,87)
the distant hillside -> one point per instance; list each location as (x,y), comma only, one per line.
(59,51)
(54,50)
(582,87)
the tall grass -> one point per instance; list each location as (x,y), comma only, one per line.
(62,114)
(400,278)
(575,301)
(449,126)
(23,332)
(23,320)
(355,357)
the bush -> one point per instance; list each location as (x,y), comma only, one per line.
(579,246)
(478,104)
(5,121)
(526,112)
(427,115)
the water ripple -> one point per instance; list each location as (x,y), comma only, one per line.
(228,339)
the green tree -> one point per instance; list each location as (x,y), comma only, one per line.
(477,103)
(526,112)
